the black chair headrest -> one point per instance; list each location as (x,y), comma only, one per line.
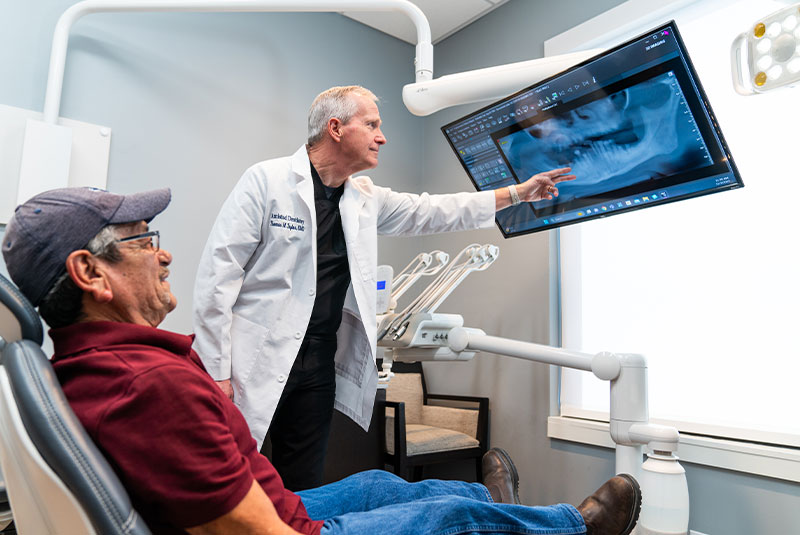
(64,444)
(18,319)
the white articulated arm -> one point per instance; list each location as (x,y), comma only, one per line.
(629,418)
(426,97)
(423,97)
(475,258)
(417,268)
(423,62)
(629,423)
(461,339)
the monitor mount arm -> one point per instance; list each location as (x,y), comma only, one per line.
(423,61)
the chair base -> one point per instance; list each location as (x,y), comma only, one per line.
(412,469)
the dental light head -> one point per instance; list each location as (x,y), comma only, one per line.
(767,56)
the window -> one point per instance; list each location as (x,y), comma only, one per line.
(707,289)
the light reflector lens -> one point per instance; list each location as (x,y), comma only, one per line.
(775,72)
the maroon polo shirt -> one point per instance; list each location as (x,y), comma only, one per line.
(181,448)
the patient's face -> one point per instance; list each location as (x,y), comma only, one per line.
(141,293)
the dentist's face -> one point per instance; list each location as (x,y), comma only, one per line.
(361,136)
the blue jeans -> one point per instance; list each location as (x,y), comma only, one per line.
(380,503)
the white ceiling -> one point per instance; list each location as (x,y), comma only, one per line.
(445,17)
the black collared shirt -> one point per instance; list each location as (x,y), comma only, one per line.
(333,270)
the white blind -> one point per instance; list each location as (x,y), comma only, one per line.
(707,289)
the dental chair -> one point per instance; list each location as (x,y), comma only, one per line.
(56,479)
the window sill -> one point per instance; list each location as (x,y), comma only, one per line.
(752,458)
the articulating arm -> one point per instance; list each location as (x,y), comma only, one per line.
(629,419)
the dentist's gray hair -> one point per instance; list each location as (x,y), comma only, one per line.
(334,102)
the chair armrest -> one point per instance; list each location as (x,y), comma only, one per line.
(398,429)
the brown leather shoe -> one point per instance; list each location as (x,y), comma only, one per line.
(500,476)
(614,508)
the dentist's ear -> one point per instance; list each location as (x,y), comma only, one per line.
(87,273)
(335,130)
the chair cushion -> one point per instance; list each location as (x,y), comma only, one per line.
(461,420)
(407,387)
(426,439)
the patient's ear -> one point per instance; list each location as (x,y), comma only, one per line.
(88,274)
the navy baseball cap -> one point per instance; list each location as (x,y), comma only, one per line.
(47,228)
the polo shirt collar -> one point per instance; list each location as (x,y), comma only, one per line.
(81,337)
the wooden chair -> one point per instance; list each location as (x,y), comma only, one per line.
(418,432)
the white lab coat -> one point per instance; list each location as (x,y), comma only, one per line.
(257,278)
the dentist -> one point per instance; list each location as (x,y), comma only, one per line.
(285,295)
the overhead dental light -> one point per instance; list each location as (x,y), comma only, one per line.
(767,56)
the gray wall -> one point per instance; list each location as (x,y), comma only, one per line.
(512,299)
(195,99)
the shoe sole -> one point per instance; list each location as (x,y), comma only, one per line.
(506,458)
(637,505)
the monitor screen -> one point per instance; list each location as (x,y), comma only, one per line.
(633,123)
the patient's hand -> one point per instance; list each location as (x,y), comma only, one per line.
(225,386)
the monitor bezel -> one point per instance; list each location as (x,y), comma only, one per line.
(703,98)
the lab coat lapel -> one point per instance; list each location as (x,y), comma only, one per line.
(349,208)
(301,167)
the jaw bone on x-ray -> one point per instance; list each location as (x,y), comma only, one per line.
(637,134)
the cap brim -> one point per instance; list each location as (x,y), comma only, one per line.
(142,206)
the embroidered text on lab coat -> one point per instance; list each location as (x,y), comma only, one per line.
(287,221)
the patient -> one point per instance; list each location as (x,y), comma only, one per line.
(182,449)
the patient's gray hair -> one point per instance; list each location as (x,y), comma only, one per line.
(63,304)
(334,102)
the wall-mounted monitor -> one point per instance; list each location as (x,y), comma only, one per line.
(633,123)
